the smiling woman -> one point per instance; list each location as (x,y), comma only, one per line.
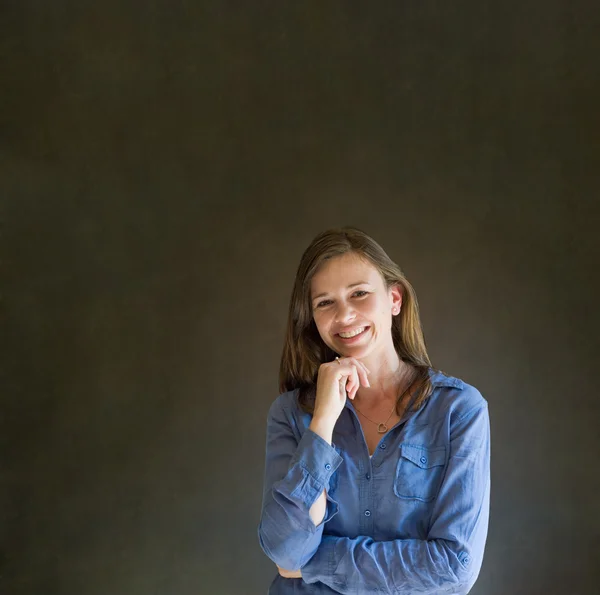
(377,470)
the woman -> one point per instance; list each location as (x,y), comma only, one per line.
(377,471)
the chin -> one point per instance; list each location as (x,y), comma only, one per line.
(357,352)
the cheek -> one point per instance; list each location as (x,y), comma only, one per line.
(320,321)
(379,311)
(323,322)
(374,308)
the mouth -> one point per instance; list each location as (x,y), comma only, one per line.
(355,335)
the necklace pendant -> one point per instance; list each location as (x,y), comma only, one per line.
(382,428)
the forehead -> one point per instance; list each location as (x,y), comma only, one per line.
(340,271)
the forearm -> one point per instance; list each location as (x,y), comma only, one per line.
(324,429)
(295,507)
(318,509)
(398,566)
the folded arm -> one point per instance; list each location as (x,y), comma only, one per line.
(295,504)
(450,558)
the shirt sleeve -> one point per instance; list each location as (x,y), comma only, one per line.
(451,556)
(297,470)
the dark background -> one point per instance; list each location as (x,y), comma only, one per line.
(163,165)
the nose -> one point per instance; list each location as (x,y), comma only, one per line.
(344,313)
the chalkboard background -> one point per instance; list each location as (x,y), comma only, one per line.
(162,167)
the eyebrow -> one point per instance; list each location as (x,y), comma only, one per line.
(349,287)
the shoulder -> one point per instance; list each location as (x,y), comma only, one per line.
(454,396)
(285,415)
(284,406)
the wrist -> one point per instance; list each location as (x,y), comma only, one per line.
(323,427)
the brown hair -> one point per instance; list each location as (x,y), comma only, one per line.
(304,350)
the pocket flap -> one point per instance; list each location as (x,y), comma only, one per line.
(424,457)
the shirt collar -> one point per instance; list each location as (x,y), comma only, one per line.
(438,378)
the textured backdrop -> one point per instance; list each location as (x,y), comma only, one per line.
(162,167)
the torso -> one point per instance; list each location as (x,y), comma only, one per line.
(372,436)
(370,429)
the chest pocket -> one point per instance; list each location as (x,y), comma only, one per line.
(419,471)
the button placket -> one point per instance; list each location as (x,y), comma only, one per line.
(366,502)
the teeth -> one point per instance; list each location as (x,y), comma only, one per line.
(353,333)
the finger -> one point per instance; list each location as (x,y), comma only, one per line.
(344,371)
(350,366)
(361,365)
(349,386)
(362,372)
(343,362)
(355,381)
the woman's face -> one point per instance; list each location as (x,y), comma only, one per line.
(347,295)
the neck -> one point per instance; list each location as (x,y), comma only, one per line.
(389,378)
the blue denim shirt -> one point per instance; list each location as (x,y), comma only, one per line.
(411,519)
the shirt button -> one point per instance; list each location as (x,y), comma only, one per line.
(328,466)
(368,476)
(383,446)
(423,460)
(367,513)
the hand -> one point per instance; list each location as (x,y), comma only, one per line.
(335,381)
(289,573)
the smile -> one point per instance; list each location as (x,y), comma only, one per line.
(354,333)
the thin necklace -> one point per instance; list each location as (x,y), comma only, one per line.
(381,426)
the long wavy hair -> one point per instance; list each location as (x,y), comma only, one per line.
(304,350)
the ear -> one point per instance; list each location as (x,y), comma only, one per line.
(396,299)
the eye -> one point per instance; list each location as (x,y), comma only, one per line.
(320,304)
(359,293)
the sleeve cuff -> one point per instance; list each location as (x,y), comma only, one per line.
(311,468)
(317,457)
(332,508)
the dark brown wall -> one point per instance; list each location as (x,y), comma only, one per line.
(164,164)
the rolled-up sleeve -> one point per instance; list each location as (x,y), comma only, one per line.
(297,470)
(449,560)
